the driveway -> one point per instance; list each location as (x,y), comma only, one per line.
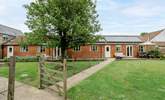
(26,92)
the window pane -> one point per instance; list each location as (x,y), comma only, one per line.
(24,49)
(77,48)
(118,48)
(94,48)
(42,48)
(10,49)
(107,49)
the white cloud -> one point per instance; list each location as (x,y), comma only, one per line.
(116,16)
(144,8)
(2,8)
(142,11)
(13,14)
(116,33)
(107,5)
(133,17)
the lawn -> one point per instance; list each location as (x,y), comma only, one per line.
(124,80)
(27,72)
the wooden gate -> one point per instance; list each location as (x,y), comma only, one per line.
(53,74)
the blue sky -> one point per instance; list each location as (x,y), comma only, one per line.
(117,17)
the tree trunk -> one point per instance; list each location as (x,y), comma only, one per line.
(63,53)
(63,46)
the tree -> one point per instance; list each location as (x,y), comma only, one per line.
(62,23)
(143,33)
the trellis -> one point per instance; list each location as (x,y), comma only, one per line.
(55,74)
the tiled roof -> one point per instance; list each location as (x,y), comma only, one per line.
(10,31)
(120,38)
(160,37)
(15,41)
(150,35)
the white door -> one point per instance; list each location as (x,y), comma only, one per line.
(107,51)
(10,51)
(129,50)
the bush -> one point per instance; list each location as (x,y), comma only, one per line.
(154,54)
(162,57)
(24,59)
(5,59)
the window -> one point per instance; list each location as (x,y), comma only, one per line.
(141,48)
(77,48)
(24,49)
(5,37)
(41,49)
(107,49)
(10,50)
(93,48)
(118,48)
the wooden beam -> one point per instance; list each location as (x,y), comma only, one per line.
(41,71)
(65,79)
(11,82)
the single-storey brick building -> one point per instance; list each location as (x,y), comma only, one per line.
(7,34)
(128,45)
(112,45)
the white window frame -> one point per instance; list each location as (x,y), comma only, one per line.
(119,47)
(141,49)
(78,48)
(24,49)
(94,48)
(42,49)
(5,37)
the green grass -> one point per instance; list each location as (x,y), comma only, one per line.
(27,72)
(124,80)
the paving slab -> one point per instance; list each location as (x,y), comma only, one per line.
(26,92)
(74,80)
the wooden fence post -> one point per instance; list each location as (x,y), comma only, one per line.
(11,82)
(65,79)
(41,72)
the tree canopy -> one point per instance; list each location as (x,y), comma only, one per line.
(143,33)
(62,23)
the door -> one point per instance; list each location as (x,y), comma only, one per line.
(129,51)
(10,51)
(107,51)
(56,52)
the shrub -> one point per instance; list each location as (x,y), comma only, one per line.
(27,59)
(154,54)
(24,59)
(162,57)
(5,59)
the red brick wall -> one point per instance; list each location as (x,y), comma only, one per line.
(123,49)
(4,51)
(136,50)
(113,50)
(32,51)
(85,52)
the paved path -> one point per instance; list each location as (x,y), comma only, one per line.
(74,80)
(25,92)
